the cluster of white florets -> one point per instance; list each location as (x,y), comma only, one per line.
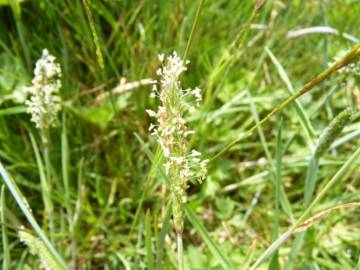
(169,73)
(171,128)
(171,131)
(44,102)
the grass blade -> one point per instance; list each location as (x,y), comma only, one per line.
(12,110)
(65,161)
(274,263)
(43,180)
(341,173)
(148,243)
(304,119)
(5,244)
(310,180)
(193,29)
(162,235)
(94,34)
(24,206)
(250,255)
(283,198)
(350,57)
(215,250)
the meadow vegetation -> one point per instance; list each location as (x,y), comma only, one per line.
(161,134)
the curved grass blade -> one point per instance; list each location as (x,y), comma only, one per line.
(341,173)
(215,250)
(45,190)
(22,203)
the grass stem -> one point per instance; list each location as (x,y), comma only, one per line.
(193,29)
(49,210)
(180,251)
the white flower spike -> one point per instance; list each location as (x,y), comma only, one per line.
(44,102)
(172,133)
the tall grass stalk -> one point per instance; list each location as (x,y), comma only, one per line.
(44,105)
(44,181)
(193,29)
(171,133)
(4,233)
(49,183)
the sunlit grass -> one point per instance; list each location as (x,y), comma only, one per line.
(109,190)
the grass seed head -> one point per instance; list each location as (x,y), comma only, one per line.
(37,248)
(172,133)
(335,127)
(44,102)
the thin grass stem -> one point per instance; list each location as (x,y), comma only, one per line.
(46,153)
(180,251)
(193,29)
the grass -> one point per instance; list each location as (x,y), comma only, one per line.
(109,201)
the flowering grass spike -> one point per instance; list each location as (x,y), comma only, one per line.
(172,134)
(37,248)
(44,102)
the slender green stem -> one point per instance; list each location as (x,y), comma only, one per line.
(4,233)
(94,34)
(350,57)
(180,251)
(46,153)
(193,29)
(277,181)
(230,54)
(21,201)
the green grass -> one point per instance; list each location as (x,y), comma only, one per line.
(104,179)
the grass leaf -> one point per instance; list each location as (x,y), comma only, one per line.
(161,241)
(213,247)
(5,244)
(24,206)
(148,241)
(304,119)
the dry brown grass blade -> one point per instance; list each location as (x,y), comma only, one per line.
(124,86)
